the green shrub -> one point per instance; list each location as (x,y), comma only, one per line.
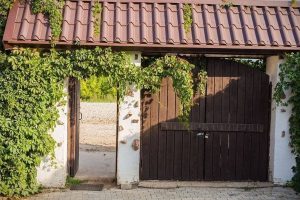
(97,89)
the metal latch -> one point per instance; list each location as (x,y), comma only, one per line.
(201,134)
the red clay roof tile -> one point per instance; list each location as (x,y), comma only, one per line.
(152,24)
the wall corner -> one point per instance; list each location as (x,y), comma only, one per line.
(281,159)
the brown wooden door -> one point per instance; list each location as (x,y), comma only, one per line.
(228,138)
(74,117)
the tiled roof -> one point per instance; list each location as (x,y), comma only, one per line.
(158,26)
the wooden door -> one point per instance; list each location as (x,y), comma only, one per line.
(73,132)
(228,137)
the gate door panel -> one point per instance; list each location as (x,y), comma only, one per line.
(228,137)
(73,132)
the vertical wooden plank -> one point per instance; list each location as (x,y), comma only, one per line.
(196,142)
(233,119)
(241,92)
(225,114)
(178,146)
(73,125)
(145,136)
(217,109)
(209,99)
(185,155)
(248,120)
(77,108)
(162,134)
(170,134)
(154,136)
(256,119)
(264,139)
(200,139)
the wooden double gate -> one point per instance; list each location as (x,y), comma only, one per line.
(228,138)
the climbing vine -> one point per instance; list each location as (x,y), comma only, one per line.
(97,9)
(259,64)
(32,88)
(187,17)
(52,9)
(4,8)
(226,4)
(180,71)
(289,81)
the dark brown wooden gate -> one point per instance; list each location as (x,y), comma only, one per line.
(73,129)
(228,138)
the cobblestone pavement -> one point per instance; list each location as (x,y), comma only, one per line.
(271,193)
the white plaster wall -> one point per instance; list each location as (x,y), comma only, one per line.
(50,175)
(281,158)
(128,159)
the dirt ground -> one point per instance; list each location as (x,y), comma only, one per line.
(97,141)
(98,126)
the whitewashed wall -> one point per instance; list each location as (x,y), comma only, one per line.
(281,158)
(128,159)
(50,175)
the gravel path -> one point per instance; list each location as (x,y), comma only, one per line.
(98,126)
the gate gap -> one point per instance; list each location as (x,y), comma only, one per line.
(97,131)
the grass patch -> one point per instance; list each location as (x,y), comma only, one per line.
(72,181)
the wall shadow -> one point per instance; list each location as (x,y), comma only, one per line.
(235,94)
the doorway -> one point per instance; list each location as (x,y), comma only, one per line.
(92,130)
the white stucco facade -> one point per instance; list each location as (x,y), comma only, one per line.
(128,155)
(129,128)
(281,158)
(53,173)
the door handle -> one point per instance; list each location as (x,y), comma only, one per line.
(80,118)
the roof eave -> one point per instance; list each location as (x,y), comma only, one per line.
(198,49)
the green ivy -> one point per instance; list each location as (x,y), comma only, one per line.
(97,9)
(259,64)
(32,87)
(187,17)
(180,71)
(289,79)
(52,9)
(226,4)
(4,8)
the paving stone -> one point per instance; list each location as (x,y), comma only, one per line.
(183,193)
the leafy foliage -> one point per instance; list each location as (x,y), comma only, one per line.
(28,95)
(32,87)
(5,6)
(226,4)
(253,63)
(52,9)
(187,17)
(97,8)
(290,80)
(97,89)
(180,72)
